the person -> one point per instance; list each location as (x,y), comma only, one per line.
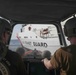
(64,58)
(21,51)
(11,62)
(46,54)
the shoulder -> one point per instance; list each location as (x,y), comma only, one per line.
(61,52)
(58,51)
(69,48)
(13,55)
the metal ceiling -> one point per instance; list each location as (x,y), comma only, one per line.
(37,11)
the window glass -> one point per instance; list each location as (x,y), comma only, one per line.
(34,39)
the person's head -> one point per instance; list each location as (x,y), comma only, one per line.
(70,30)
(5,30)
(20,51)
(46,54)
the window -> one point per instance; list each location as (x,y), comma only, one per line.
(40,38)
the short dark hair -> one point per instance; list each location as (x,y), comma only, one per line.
(20,50)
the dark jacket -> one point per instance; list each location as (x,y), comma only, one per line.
(16,66)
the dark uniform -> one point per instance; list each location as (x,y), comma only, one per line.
(12,64)
(65,60)
(16,66)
